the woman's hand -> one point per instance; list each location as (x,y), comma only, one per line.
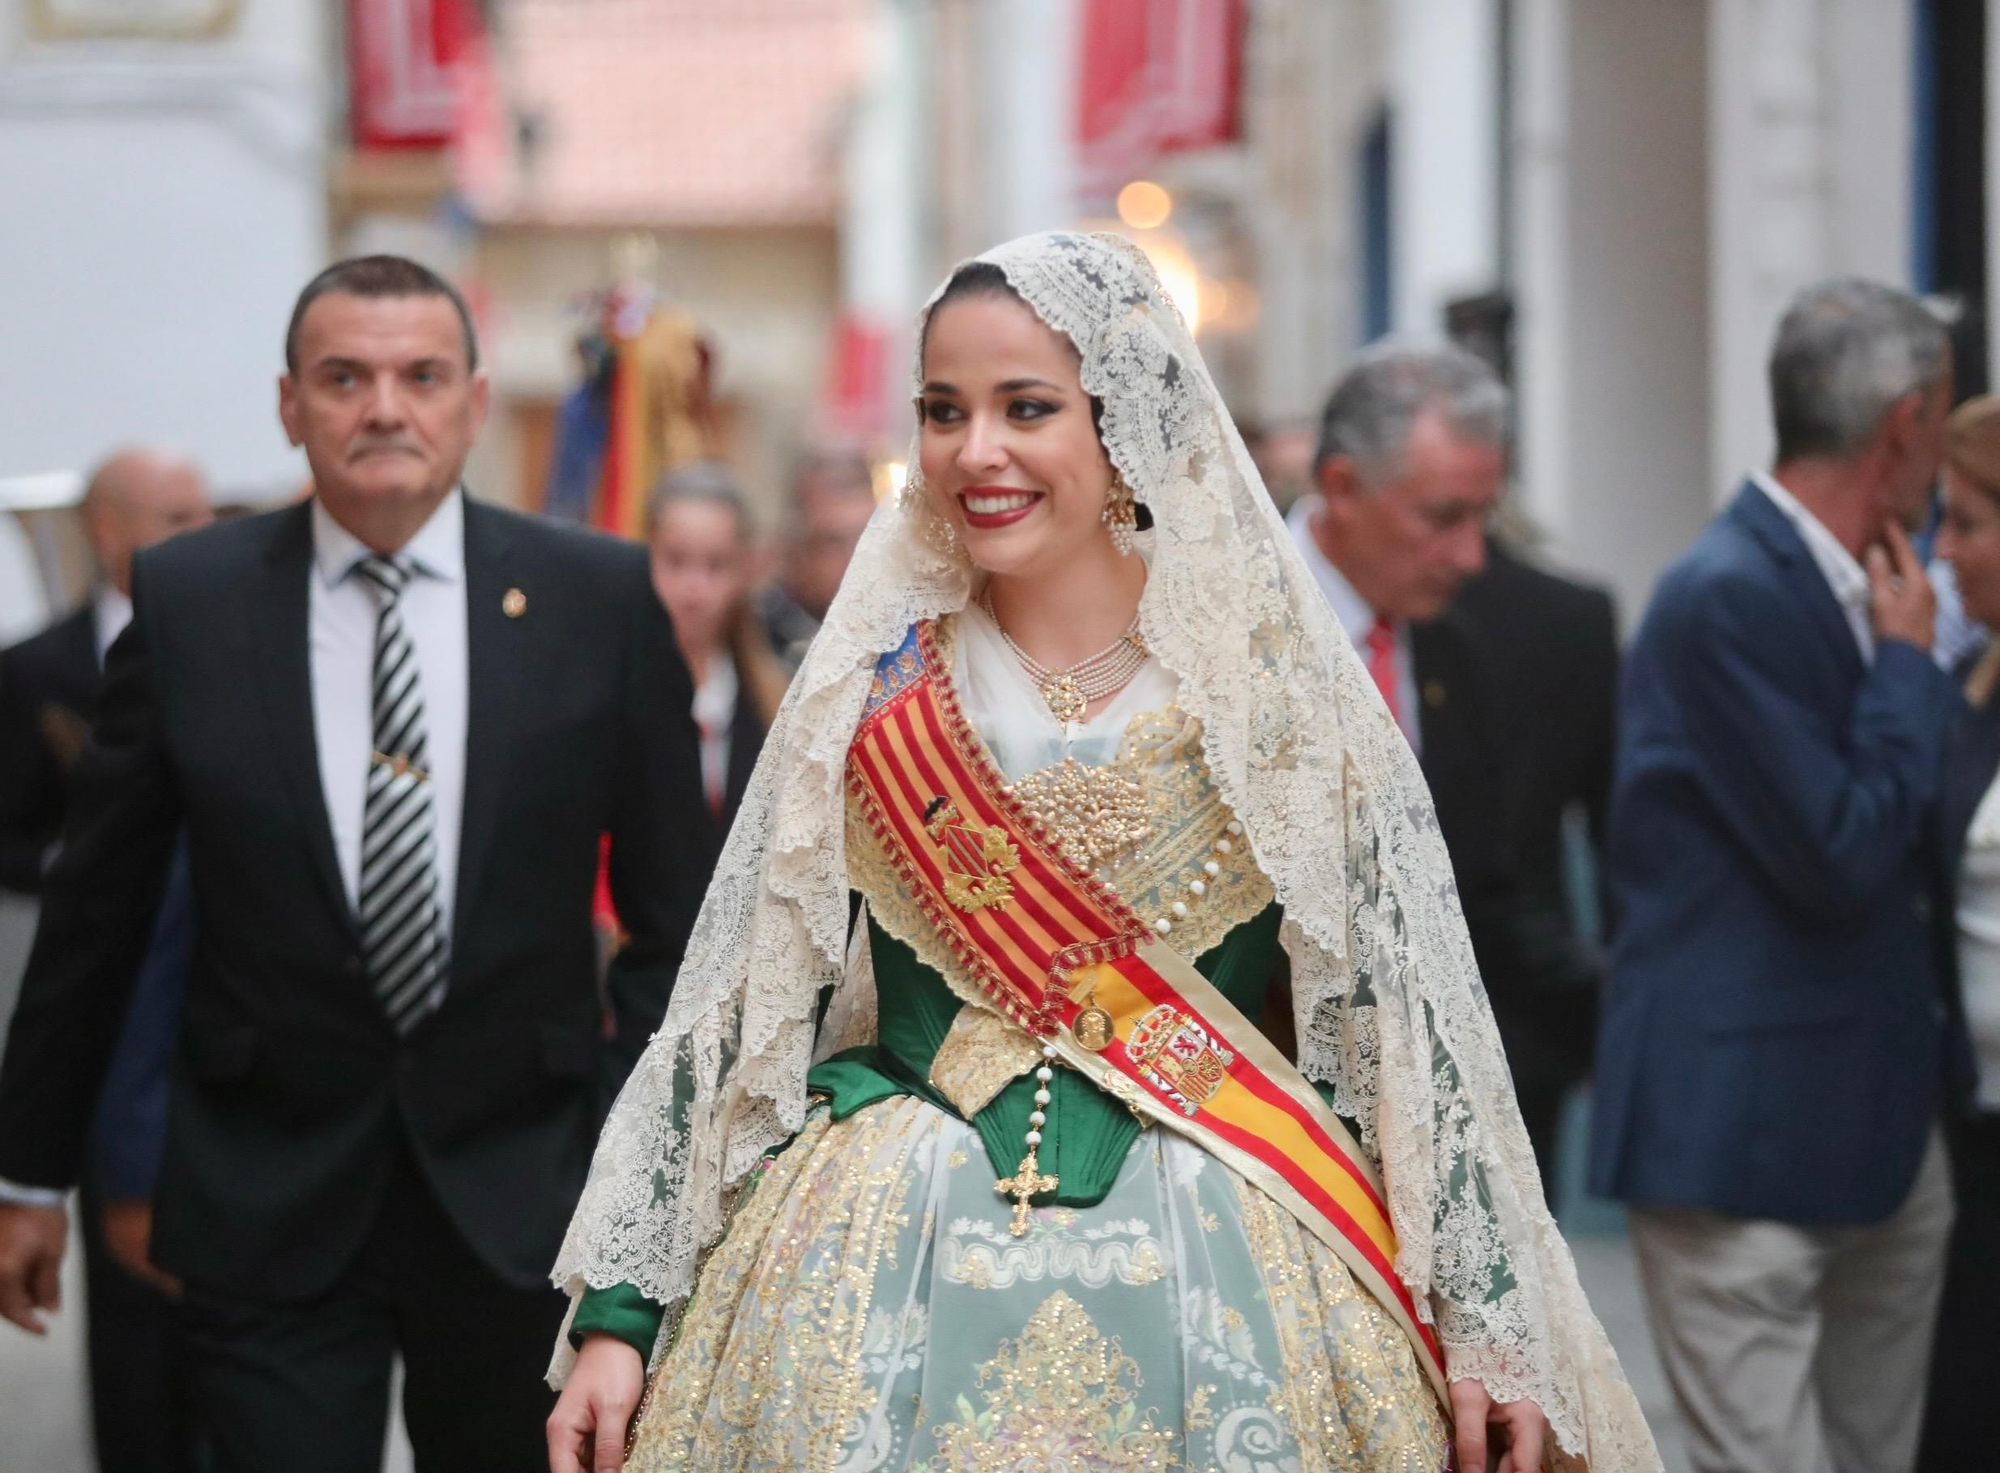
(1519,1430)
(587,1429)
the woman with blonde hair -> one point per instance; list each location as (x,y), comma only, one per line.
(959,1148)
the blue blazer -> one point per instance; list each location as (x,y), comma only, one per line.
(1772,1042)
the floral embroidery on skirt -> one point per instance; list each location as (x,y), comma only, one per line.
(868,1310)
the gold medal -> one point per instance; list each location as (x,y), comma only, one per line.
(1091,1028)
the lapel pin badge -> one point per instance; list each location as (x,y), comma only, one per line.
(514,603)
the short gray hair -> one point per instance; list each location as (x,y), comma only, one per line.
(1845,351)
(1370,412)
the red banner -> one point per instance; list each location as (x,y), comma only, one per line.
(1155,76)
(400,55)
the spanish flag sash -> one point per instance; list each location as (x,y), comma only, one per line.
(1055,949)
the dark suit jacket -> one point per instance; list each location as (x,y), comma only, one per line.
(48,694)
(1462,764)
(291,1092)
(1547,655)
(746,741)
(1773,1038)
(49,691)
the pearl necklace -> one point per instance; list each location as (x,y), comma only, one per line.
(1069,691)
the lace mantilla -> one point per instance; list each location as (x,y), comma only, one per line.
(1388,1003)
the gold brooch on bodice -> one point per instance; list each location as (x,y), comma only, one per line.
(1097,814)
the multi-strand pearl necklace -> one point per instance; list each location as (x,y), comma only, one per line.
(1069,691)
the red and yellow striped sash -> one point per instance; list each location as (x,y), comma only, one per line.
(1046,940)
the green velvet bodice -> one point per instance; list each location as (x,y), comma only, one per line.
(1088,1132)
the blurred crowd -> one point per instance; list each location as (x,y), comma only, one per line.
(1748,886)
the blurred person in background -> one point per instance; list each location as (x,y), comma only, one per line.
(1774,1040)
(833,496)
(1412,458)
(393,723)
(142,1415)
(49,684)
(705,565)
(1965,1360)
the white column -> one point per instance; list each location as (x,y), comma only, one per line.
(1611,283)
(1540,144)
(1444,90)
(882,255)
(1311,83)
(1809,141)
(1029,52)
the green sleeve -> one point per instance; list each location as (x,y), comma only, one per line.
(622,1312)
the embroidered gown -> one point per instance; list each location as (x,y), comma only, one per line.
(868,1307)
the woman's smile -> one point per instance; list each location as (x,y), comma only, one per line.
(987,507)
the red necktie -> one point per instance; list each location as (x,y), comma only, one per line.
(1380,645)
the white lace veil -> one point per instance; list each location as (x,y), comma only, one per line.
(1388,1003)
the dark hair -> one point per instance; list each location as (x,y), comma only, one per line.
(378,276)
(973,279)
(984,279)
(707,481)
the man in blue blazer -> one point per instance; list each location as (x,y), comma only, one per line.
(1772,1049)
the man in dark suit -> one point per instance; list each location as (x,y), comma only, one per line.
(392,723)
(1547,653)
(1412,458)
(1773,1052)
(141,1412)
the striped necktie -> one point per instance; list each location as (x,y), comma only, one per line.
(402,940)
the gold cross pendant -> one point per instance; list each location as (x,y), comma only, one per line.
(1027,1181)
(399,765)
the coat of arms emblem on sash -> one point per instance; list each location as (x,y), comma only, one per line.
(977,861)
(1177,1056)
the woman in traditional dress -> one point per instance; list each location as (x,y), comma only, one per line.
(961,1146)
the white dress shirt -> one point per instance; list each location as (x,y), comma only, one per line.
(714,714)
(1979,942)
(342,614)
(1357,617)
(110,612)
(1847,579)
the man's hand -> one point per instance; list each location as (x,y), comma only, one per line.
(128,1234)
(1905,605)
(1518,1430)
(588,1427)
(31,1250)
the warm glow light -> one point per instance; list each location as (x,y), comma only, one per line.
(1143,205)
(1178,275)
(890,478)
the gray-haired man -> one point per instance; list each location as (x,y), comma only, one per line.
(1774,1044)
(1412,457)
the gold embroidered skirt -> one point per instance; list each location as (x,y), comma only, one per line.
(868,1309)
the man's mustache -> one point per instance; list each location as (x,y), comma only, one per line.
(395,443)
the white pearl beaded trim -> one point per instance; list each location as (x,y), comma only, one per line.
(1178,911)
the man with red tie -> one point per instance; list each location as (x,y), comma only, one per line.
(1412,458)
